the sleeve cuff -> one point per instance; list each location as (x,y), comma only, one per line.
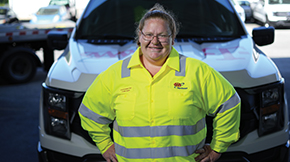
(219,147)
(104,146)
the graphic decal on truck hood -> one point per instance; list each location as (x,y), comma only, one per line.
(234,59)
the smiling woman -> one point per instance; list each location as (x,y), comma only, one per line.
(167,100)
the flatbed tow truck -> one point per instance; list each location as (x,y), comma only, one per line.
(18,46)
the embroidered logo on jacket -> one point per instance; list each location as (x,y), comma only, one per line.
(126,89)
(179,85)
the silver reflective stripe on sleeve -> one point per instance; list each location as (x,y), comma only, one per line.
(157,131)
(182,63)
(160,152)
(230,103)
(125,72)
(86,112)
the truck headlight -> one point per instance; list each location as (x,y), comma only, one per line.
(56,18)
(59,125)
(271,115)
(57,101)
(56,115)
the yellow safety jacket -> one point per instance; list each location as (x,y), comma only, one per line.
(160,118)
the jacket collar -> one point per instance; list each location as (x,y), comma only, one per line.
(172,61)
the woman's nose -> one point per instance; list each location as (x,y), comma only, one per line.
(155,40)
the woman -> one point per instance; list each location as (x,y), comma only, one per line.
(158,101)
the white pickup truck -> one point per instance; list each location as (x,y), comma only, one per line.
(211,31)
(272,12)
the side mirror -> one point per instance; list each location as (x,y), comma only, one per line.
(263,35)
(57,39)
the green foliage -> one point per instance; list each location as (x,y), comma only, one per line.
(3,2)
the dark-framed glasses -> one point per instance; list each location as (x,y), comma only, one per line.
(160,37)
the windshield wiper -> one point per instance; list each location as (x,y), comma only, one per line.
(200,39)
(188,36)
(107,36)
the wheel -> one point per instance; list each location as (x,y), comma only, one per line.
(268,23)
(19,68)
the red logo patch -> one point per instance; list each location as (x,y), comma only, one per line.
(178,85)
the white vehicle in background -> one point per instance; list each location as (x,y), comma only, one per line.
(25,9)
(75,7)
(272,12)
(246,5)
(212,31)
(51,14)
(240,10)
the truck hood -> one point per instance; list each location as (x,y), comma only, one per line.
(235,60)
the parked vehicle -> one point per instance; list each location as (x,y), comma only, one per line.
(25,9)
(240,10)
(18,46)
(247,8)
(272,12)
(7,16)
(51,14)
(212,32)
(69,5)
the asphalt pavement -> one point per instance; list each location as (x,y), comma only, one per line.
(19,119)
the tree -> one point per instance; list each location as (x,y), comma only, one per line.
(3,2)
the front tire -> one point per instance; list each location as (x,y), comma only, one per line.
(268,23)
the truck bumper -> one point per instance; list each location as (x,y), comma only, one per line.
(275,154)
(46,155)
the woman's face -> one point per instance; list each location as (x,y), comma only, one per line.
(159,48)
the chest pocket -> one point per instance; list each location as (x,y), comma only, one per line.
(125,106)
(181,105)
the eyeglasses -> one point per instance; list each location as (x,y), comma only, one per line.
(150,37)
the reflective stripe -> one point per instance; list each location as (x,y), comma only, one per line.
(160,152)
(230,103)
(182,60)
(86,112)
(125,71)
(157,131)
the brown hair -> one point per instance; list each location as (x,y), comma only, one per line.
(158,11)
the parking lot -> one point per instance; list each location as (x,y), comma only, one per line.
(19,103)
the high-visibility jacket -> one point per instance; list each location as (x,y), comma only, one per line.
(160,118)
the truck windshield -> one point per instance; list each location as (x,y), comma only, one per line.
(59,2)
(105,19)
(47,11)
